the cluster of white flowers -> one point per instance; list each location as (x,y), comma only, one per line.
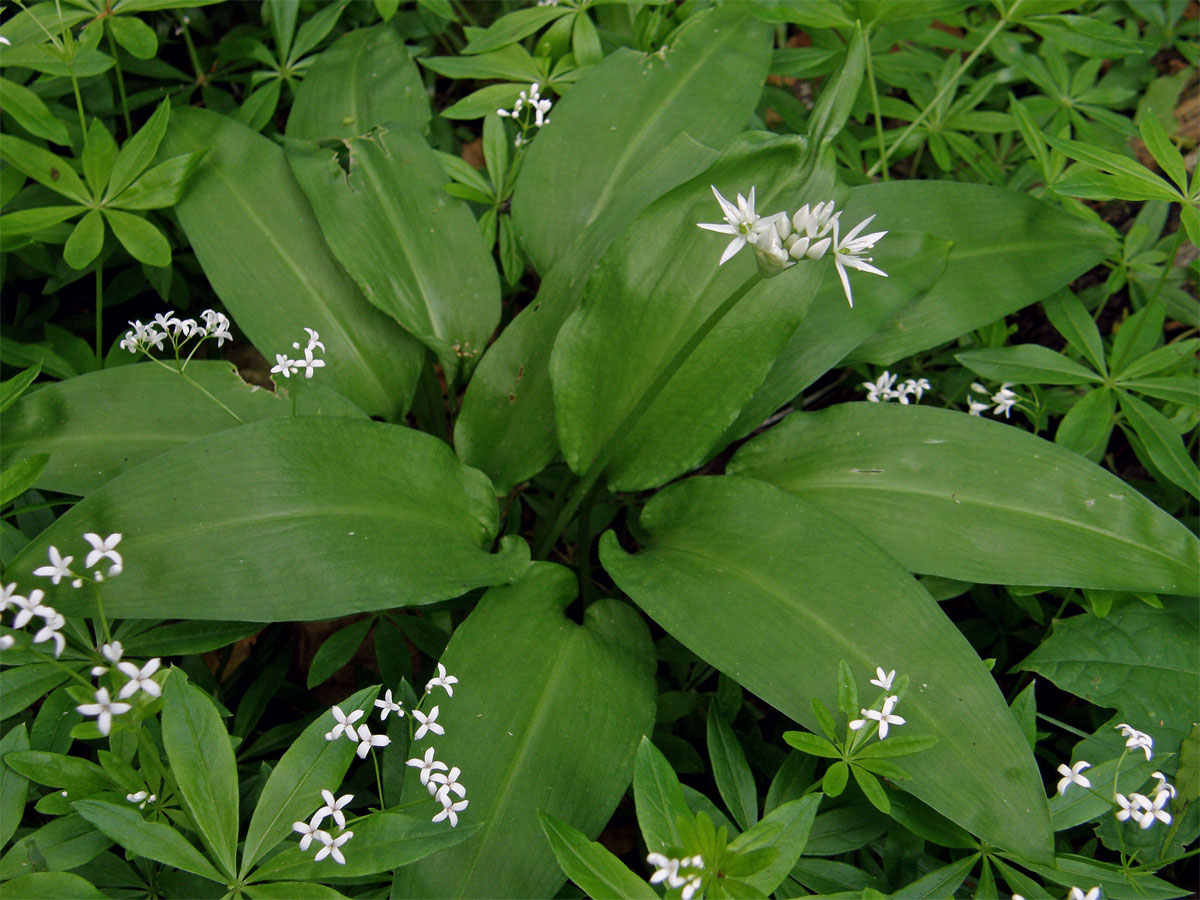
(1135,739)
(1004,399)
(667,869)
(524,105)
(883,388)
(883,716)
(344,724)
(286,367)
(1142,809)
(311,830)
(167,326)
(141,798)
(781,240)
(137,679)
(440,780)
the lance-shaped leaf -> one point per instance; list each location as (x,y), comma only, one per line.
(773,591)
(271,531)
(415,251)
(648,302)
(1009,251)
(545,719)
(953,495)
(363,79)
(259,244)
(97,425)
(153,840)
(591,866)
(619,115)
(1027,364)
(1140,661)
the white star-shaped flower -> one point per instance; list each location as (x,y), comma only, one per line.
(451,811)
(314,339)
(1129,808)
(283,365)
(428,723)
(1151,809)
(426,765)
(441,786)
(740,221)
(59,568)
(881,388)
(1004,399)
(333,807)
(848,251)
(309,832)
(883,679)
(50,632)
(387,705)
(443,680)
(884,717)
(1138,739)
(104,709)
(1071,776)
(308,363)
(9,596)
(103,548)
(333,847)
(368,740)
(1077,894)
(975,408)
(914,386)
(139,679)
(28,607)
(1162,784)
(345,724)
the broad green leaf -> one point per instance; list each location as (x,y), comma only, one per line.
(1137,337)
(646,303)
(845,829)
(591,866)
(140,238)
(85,241)
(1181,389)
(382,841)
(1009,251)
(28,684)
(1067,314)
(251,249)
(363,79)
(184,638)
(13,786)
(659,799)
(996,504)
(30,111)
(20,477)
(99,152)
(832,328)
(786,828)
(45,168)
(415,252)
(293,792)
(1115,163)
(1162,443)
(506,426)
(623,111)
(315,29)
(153,840)
(1087,426)
(64,842)
(98,425)
(336,651)
(511,28)
(512,63)
(70,773)
(714,544)
(52,886)
(546,720)
(134,35)
(1089,184)
(1026,364)
(1140,661)
(730,770)
(397,521)
(203,766)
(1077,806)
(139,151)
(941,882)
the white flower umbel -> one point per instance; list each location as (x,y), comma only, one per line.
(450,811)
(428,723)
(848,252)
(741,221)
(167,326)
(915,386)
(102,548)
(332,847)
(367,740)
(443,785)
(104,709)
(883,679)
(443,681)
(525,104)
(59,568)
(884,717)
(309,832)
(665,869)
(140,679)
(1004,399)
(333,807)
(1137,739)
(345,724)
(1071,775)
(881,387)
(427,766)
(388,705)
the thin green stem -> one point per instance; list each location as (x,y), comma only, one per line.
(209,395)
(102,617)
(378,780)
(191,49)
(875,103)
(57,662)
(112,49)
(949,85)
(1168,262)
(69,52)
(588,482)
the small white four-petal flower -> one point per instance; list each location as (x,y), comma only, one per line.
(1071,775)
(428,723)
(104,709)
(103,548)
(450,811)
(367,740)
(883,679)
(345,724)
(333,807)
(884,717)
(443,680)
(333,847)
(386,704)
(309,831)
(140,679)
(426,765)
(59,568)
